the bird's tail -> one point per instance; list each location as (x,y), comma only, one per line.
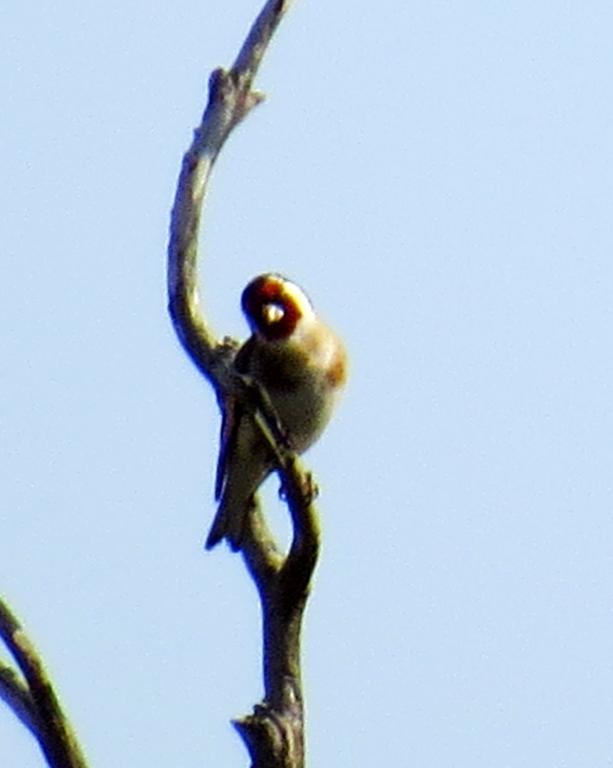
(243,472)
(218,530)
(228,524)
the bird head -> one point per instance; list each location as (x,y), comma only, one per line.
(274,306)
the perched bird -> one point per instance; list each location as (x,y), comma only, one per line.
(301,365)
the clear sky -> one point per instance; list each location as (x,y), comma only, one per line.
(439,177)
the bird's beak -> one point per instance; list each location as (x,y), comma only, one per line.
(272,313)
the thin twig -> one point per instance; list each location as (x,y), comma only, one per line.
(16,696)
(52,729)
(230,100)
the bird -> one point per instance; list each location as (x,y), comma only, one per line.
(301,364)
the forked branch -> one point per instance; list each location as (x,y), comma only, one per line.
(32,698)
(274,732)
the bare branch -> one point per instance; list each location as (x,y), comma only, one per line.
(16,696)
(274,732)
(230,100)
(51,728)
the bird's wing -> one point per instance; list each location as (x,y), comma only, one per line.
(229,427)
(231,418)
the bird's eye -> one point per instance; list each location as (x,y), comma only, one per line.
(272,313)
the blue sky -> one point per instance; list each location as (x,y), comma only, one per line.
(439,178)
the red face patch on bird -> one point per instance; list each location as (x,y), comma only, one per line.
(273,306)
